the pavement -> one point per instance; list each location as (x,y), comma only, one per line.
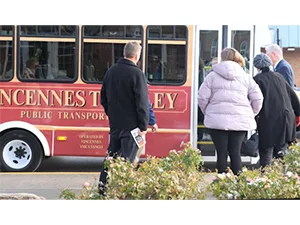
(56,174)
(45,185)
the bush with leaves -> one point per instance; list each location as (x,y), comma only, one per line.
(89,191)
(292,159)
(177,176)
(273,183)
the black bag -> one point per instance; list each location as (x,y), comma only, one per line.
(250,146)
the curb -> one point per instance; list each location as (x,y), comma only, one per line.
(20,196)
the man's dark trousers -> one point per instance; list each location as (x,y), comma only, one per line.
(121,144)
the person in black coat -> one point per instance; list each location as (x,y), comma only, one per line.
(276,122)
(124,97)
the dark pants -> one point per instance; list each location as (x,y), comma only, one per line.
(228,142)
(266,155)
(121,144)
(280,151)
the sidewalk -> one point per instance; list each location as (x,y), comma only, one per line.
(48,187)
(20,196)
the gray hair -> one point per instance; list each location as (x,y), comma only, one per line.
(131,49)
(274,48)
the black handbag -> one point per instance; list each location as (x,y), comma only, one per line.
(250,146)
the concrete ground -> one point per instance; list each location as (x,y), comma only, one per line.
(47,185)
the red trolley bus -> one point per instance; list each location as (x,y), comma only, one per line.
(50,81)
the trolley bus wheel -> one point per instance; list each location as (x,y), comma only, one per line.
(20,151)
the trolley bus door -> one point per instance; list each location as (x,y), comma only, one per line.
(242,39)
(208,47)
(209,43)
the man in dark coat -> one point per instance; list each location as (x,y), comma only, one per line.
(280,65)
(276,122)
(124,97)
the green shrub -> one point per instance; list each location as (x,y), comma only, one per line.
(177,176)
(88,192)
(292,160)
(273,183)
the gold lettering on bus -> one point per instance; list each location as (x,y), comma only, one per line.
(15,97)
(164,100)
(91,141)
(158,98)
(36,114)
(55,96)
(41,97)
(96,97)
(72,98)
(6,96)
(30,98)
(66,116)
(45,97)
(171,99)
(69,98)
(81,100)
(81,115)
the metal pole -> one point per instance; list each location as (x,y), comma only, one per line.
(224,36)
(277,36)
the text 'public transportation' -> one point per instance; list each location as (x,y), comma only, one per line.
(50,81)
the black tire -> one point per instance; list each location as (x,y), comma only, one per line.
(20,151)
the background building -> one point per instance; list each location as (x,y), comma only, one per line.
(288,37)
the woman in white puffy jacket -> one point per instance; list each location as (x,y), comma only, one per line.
(229,99)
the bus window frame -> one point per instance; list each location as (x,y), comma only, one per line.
(167,39)
(119,38)
(48,36)
(13,53)
(76,37)
(107,38)
(8,35)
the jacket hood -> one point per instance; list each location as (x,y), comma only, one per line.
(228,70)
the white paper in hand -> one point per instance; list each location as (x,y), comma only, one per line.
(139,140)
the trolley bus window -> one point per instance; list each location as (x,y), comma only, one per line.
(48,31)
(113,31)
(166,55)
(208,52)
(103,46)
(240,40)
(208,56)
(97,58)
(6,30)
(47,55)
(6,53)
(166,32)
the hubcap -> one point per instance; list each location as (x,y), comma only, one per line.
(17,154)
